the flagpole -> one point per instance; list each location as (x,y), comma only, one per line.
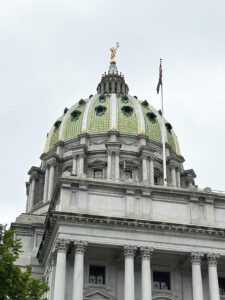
(163,136)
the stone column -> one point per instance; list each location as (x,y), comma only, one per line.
(151,166)
(109,165)
(78,277)
(178,178)
(117,166)
(173,175)
(45,196)
(146,282)
(32,190)
(129,252)
(212,259)
(144,169)
(74,167)
(60,273)
(196,276)
(81,164)
(51,179)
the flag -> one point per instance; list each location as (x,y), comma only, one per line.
(160,77)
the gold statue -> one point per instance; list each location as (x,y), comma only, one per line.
(113,53)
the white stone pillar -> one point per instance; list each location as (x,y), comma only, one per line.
(173,175)
(144,169)
(212,259)
(81,164)
(74,167)
(129,252)
(60,273)
(117,166)
(146,282)
(178,178)
(51,180)
(45,196)
(197,289)
(78,277)
(109,165)
(32,190)
(151,166)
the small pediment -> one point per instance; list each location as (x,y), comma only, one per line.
(97,295)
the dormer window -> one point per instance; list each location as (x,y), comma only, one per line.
(127,110)
(65,110)
(125,99)
(102,98)
(75,115)
(145,104)
(100,110)
(98,173)
(151,116)
(81,102)
(57,124)
(168,127)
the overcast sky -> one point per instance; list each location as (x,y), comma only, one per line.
(53,53)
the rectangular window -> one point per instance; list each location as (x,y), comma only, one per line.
(161,280)
(97,275)
(127,174)
(98,174)
(222,285)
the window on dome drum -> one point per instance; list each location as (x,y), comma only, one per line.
(221,285)
(156,180)
(127,174)
(100,110)
(98,173)
(161,280)
(151,116)
(127,110)
(97,275)
(75,115)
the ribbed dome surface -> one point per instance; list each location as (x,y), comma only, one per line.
(103,112)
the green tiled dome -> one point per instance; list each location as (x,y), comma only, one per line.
(101,114)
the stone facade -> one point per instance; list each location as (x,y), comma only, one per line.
(99,224)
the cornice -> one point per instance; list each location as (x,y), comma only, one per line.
(125,224)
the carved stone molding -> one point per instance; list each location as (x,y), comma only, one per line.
(212,259)
(130,251)
(80,246)
(196,257)
(146,252)
(62,245)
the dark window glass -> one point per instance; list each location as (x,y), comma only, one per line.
(156,180)
(97,275)
(127,174)
(222,285)
(98,174)
(161,280)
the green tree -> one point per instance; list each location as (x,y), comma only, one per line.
(15,284)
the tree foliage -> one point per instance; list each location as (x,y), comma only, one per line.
(15,284)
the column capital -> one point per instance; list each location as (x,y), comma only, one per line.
(129,251)
(79,246)
(196,257)
(146,252)
(212,259)
(34,175)
(62,245)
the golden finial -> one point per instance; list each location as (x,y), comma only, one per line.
(113,53)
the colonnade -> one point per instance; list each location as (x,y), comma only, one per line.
(129,282)
(113,167)
(148,164)
(175,175)
(49,180)
(78,164)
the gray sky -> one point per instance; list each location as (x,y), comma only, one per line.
(52,53)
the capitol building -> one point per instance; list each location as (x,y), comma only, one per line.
(101,224)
